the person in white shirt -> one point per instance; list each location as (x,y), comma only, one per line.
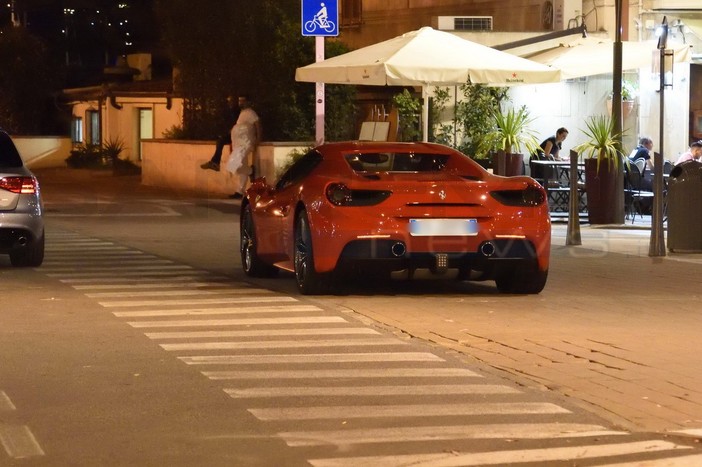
(246,134)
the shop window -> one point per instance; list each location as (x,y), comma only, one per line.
(350,13)
(77,130)
(93,129)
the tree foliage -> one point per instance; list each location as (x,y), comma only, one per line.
(28,80)
(245,47)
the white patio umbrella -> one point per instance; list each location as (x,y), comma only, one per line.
(593,56)
(427,57)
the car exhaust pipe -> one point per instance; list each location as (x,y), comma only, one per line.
(487,249)
(398,249)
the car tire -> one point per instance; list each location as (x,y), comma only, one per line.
(250,261)
(522,280)
(30,256)
(309,282)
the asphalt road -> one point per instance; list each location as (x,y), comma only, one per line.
(140,342)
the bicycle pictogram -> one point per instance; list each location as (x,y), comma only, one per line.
(320,20)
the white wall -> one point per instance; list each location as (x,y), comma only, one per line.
(569,104)
(43,151)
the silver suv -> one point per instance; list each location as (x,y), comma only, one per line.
(21,209)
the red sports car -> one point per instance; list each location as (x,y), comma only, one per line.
(373,208)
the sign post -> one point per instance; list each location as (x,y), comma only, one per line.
(320,19)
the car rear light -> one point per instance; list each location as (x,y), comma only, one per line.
(340,195)
(20,185)
(530,196)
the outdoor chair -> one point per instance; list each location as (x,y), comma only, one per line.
(635,198)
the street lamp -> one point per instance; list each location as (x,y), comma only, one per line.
(657,243)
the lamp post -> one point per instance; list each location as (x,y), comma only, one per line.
(657,243)
(618,202)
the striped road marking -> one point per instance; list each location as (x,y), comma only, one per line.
(19,442)
(152,285)
(237,322)
(442,433)
(347,373)
(202,301)
(312,358)
(111,279)
(243,310)
(408,410)
(176,293)
(172,270)
(453,459)
(273,344)
(351,391)
(262,333)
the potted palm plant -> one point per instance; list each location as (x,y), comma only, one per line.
(509,134)
(604,180)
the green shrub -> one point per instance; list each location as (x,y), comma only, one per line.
(86,156)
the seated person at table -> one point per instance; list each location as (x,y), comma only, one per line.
(693,154)
(643,151)
(549,149)
(551,146)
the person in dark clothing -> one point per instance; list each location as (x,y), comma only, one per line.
(552,145)
(643,151)
(232,114)
(549,149)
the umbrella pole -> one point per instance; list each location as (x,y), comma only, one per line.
(425,114)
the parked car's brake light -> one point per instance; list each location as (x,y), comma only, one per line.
(20,185)
(340,195)
(530,196)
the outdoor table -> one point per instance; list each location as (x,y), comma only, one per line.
(557,183)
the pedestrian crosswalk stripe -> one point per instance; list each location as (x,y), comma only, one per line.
(406,410)
(243,310)
(150,266)
(131,261)
(172,270)
(237,322)
(262,332)
(70,256)
(117,285)
(677,461)
(84,249)
(19,441)
(201,301)
(122,279)
(120,258)
(458,459)
(443,433)
(169,293)
(6,403)
(689,432)
(77,246)
(352,391)
(311,358)
(375,373)
(275,344)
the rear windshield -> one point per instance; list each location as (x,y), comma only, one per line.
(9,157)
(397,162)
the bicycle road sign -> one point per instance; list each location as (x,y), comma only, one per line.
(320,18)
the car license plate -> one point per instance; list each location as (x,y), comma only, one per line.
(443,227)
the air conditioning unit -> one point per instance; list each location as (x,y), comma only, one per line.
(464,23)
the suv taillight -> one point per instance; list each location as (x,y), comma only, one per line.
(20,185)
